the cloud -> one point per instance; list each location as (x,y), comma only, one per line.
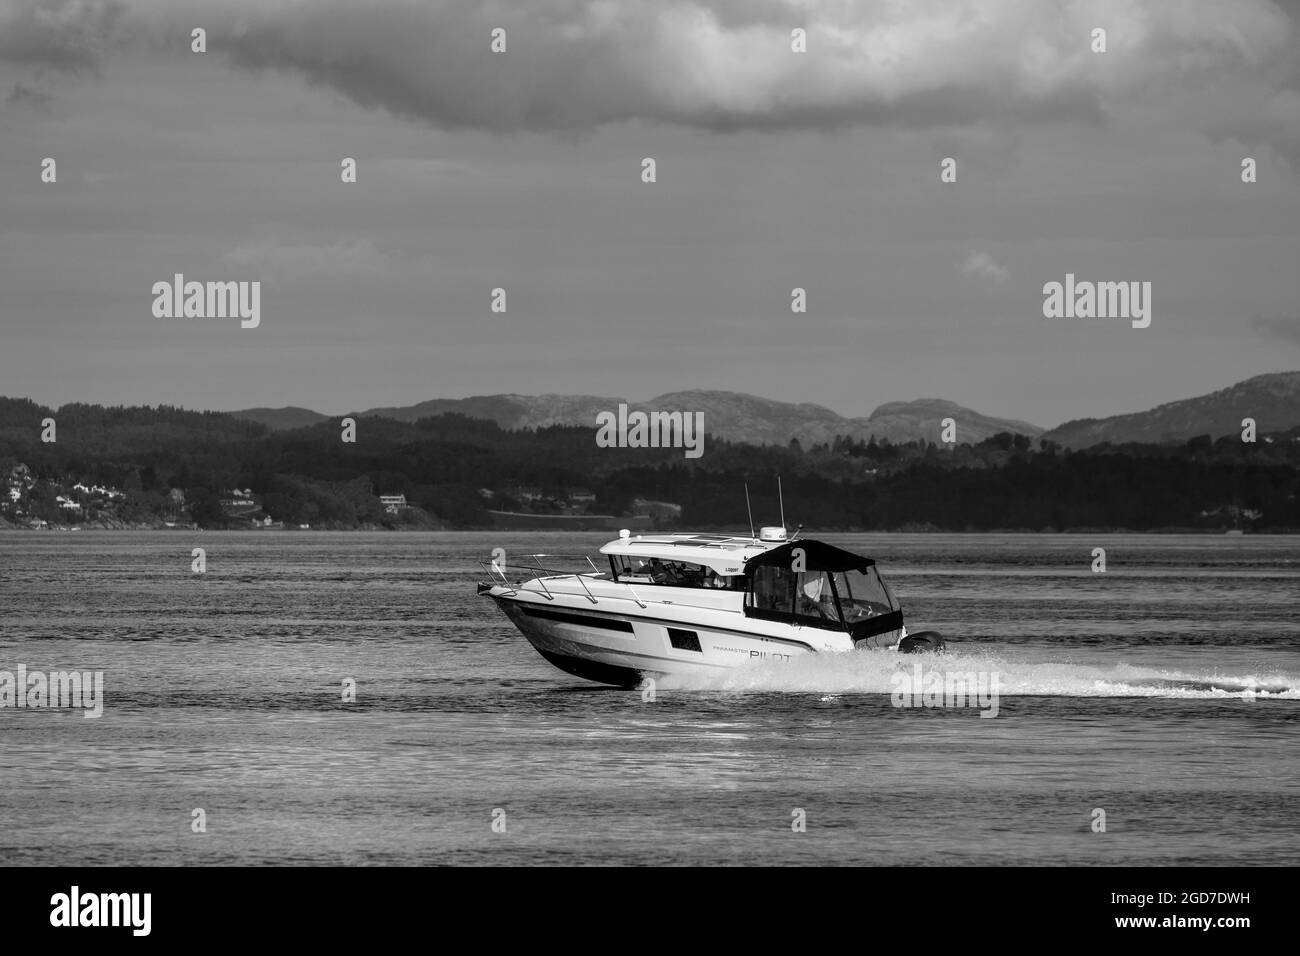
(1284,327)
(1275,122)
(980,265)
(573,65)
(54,36)
(67,36)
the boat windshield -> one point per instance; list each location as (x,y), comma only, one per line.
(816,584)
(863,595)
(803,597)
(815,599)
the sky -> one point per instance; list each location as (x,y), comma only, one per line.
(522,170)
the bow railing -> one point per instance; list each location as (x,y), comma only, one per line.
(538,568)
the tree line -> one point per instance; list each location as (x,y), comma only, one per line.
(445,464)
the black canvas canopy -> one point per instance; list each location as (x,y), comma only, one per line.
(818,556)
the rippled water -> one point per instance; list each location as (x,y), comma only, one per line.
(1121,691)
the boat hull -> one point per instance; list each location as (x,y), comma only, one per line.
(623,649)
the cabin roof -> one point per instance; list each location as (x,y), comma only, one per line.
(724,553)
(817,556)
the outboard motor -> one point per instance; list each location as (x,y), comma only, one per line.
(922,642)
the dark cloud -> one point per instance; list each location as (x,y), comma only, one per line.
(726,64)
(68,36)
(716,64)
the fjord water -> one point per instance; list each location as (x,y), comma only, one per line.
(1122,691)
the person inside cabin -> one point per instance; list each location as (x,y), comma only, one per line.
(662,572)
(692,575)
(816,599)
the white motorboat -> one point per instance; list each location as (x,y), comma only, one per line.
(685,603)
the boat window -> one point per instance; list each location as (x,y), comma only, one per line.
(627,568)
(684,640)
(631,569)
(801,597)
(772,590)
(723,582)
(863,595)
(816,599)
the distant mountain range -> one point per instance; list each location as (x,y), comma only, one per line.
(1272,400)
(280,419)
(734,416)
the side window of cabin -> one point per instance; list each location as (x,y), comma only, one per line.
(625,567)
(679,574)
(773,589)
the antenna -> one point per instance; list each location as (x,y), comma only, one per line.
(751,512)
(780,499)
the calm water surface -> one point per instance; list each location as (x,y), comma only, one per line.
(1121,691)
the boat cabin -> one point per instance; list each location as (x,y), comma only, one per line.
(715,561)
(803,582)
(815,584)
